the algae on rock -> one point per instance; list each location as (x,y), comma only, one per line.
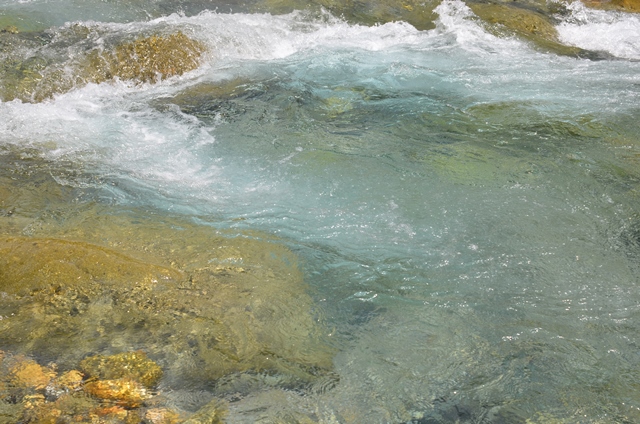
(146,59)
(133,365)
(525,23)
(46,71)
(92,278)
(625,5)
(418,13)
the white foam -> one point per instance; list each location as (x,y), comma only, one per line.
(107,127)
(457,21)
(617,33)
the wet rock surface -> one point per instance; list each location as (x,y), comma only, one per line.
(146,59)
(37,66)
(130,304)
(132,365)
(623,5)
(32,393)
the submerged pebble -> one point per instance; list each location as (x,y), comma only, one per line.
(32,393)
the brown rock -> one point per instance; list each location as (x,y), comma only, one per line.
(418,13)
(33,264)
(625,5)
(211,413)
(114,411)
(124,392)
(26,373)
(70,381)
(523,22)
(527,24)
(134,365)
(147,59)
(206,304)
(162,416)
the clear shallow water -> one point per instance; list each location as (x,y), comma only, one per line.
(465,207)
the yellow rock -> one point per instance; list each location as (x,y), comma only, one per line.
(134,365)
(11,29)
(626,5)
(162,416)
(212,413)
(114,411)
(523,22)
(204,303)
(147,59)
(26,373)
(36,410)
(44,264)
(124,392)
(70,381)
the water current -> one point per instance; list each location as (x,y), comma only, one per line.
(464,205)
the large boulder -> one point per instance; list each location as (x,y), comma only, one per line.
(146,59)
(46,71)
(528,23)
(243,309)
(79,280)
(418,13)
(624,5)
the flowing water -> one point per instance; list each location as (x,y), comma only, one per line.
(464,206)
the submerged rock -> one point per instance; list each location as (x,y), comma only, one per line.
(212,413)
(31,393)
(94,279)
(25,373)
(29,265)
(12,29)
(162,416)
(133,365)
(69,381)
(125,392)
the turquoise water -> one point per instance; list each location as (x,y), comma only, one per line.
(465,207)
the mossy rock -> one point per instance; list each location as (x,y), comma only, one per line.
(72,297)
(624,5)
(146,59)
(473,164)
(46,72)
(528,24)
(420,14)
(521,21)
(212,413)
(29,265)
(132,365)
(93,279)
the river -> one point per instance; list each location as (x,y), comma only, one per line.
(463,203)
